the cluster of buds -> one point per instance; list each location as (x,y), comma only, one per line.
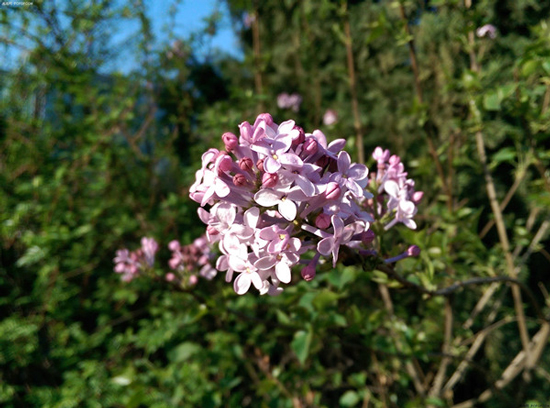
(292,101)
(395,198)
(131,264)
(190,261)
(276,193)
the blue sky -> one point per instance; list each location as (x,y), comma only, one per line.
(190,18)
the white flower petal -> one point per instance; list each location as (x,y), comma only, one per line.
(267,197)
(283,272)
(242,283)
(287,209)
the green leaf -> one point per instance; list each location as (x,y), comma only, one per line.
(184,351)
(349,399)
(300,344)
(491,101)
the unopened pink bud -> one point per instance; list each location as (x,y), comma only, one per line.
(269,179)
(170,277)
(246,131)
(413,250)
(333,191)
(300,138)
(264,117)
(224,163)
(230,141)
(395,160)
(239,180)
(367,237)
(417,196)
(323,161)
(322,221)
(174,246)
(260,165)
(193,280)
(310,146)
(173,263)
(308,272)
(212,230)
(120,268)
(246,164)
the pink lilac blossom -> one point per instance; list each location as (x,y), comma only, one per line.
(295,193)
(275,195)
(330,117)
(488,30)
(131,264)
(396,198)
(289,101)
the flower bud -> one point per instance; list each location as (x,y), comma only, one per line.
(264,117)
(367,237)
(246,131)
(193,280)
(269,179)
(174,246)
(310,146)
(260,165)
(417,196)
(301,136)
(246,164)
(308,272)
(394,160)
(239,180)
(174,262)
(170,277)
(212,230)
(413,250)
(224,163)
(333,191)
(323,161)
(230,141)
(322,221)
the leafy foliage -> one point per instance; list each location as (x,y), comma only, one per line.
(92,159)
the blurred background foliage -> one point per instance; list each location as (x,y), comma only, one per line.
(93,158)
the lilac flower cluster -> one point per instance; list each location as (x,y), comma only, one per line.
(131,264)
(275,193)
(191,260)
(488,30)
(395,197)
(292,101)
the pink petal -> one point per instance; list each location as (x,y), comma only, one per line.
(242,283)
(267,198)
(392,188)
(287,209)
(344,161)
(283,272)
(265,263)
(325,246)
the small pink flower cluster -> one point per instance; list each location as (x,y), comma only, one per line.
(275,193)
(396,198)
(292,101)
(131,264)
(189,260)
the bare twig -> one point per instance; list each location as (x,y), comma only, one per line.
(353,89)
(435,391)
(491,193)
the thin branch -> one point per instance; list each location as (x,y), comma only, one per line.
(446,291)
(429,127)
(499,220)
(517,182)
(435,391)
(518,364)
(353,89)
